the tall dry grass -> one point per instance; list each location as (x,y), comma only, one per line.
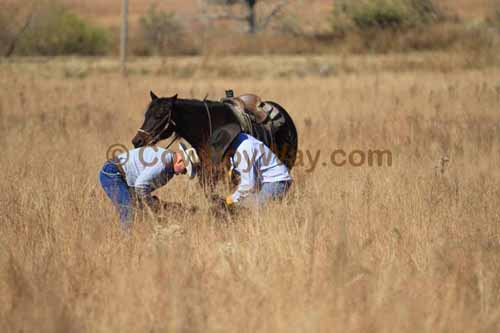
(412,247)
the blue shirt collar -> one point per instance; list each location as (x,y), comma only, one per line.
(238,141)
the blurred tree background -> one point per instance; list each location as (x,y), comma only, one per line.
(61,27)
(248,12)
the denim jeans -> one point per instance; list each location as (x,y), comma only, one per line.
(272,191)
(118,191)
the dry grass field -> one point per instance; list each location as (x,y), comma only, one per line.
(412,247)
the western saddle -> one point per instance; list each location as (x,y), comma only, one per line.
(256,117)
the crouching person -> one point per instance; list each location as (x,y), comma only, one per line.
(131,177)
(262,176)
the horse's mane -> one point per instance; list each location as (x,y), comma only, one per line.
(197,102)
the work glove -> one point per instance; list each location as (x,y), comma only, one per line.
(152,203)
(218,201)
(220,208)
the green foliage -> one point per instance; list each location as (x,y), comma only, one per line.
(379,14)
(57,31)
(383,14)
(161,32)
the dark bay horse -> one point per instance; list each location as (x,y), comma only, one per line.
(195,120)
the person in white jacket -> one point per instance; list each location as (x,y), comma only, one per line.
(262,176)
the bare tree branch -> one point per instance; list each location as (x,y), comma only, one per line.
(279,7)
(14,41)
(249,17)
(226,17)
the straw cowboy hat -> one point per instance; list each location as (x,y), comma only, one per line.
(191,160)
(220,141)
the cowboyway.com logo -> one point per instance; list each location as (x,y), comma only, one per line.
(120,155)
(307,159)
(310,160)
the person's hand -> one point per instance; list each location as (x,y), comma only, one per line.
(153,203)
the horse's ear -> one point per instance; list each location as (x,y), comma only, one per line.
(153,96)
(174,98)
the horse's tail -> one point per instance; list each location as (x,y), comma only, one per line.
(285,138)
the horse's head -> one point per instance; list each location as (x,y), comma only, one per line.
(158,124)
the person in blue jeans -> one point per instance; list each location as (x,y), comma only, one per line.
(262,176)
(130,178)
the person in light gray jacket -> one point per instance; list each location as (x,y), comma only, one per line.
(141,171)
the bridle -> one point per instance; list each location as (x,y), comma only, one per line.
(149,136)
(168,121)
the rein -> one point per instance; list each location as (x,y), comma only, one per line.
(209,118)
(171,142)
